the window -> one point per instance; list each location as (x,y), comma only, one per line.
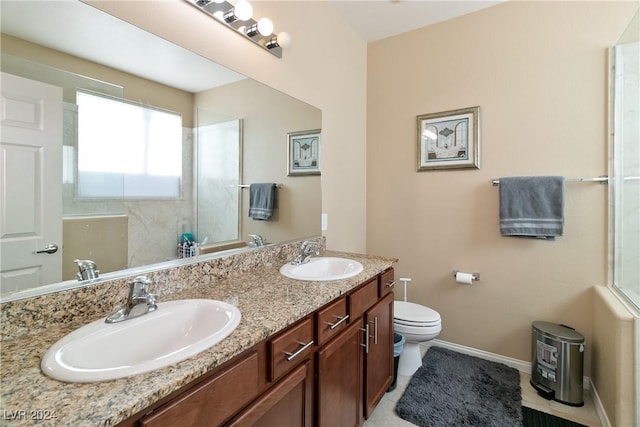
(127,149)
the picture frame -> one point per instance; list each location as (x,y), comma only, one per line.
(449,140)
(303,153)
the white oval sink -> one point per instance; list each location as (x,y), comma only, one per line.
(174,332)
(322,269)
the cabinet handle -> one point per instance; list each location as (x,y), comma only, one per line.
(291,356)
(391,283)
(366,338)
(335,325)
(375,329)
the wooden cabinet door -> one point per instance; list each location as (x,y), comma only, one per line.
(287,403)
(378,361)
(339,382)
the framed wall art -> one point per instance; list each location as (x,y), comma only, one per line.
(303,153)
(449,140)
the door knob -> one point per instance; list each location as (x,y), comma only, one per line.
(49,249)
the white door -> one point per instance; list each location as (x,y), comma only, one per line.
(30,184)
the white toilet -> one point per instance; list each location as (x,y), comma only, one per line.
(417,324)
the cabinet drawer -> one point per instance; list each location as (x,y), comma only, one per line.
(386,282)
(213,401)
(290,347)
(332,320)
(363,298)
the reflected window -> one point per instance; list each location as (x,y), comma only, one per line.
(127,148)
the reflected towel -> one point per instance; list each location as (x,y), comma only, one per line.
(532,206)
(262,198)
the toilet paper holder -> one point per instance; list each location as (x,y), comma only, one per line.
(474,276)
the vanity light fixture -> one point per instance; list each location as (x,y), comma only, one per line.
(237,17)
(264,27)
(242,11)
(281,40)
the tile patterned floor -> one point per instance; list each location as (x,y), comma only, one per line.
(385,416)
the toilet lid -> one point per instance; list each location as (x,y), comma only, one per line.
(414,313)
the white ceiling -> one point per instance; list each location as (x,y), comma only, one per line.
(109,41)
(378,19)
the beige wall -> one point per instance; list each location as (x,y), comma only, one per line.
(134,88)
(613,357)
(538,72)
(325,68)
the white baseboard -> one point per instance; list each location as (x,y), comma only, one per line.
(522,366)
(602,414)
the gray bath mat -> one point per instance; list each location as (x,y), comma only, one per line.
(454,389)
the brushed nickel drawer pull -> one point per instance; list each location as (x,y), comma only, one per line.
(291,356)
(335,325)
(375,329)
(391,283)
(366,338)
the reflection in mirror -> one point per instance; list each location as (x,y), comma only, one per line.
(218,173)
(83,48)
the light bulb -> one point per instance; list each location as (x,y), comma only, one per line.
(283,39)
(265,26)
(243,10)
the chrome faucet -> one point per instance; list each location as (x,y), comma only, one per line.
(307,250)
(258,240)
(88,269)
(139,302)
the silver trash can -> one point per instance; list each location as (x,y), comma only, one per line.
(557,362)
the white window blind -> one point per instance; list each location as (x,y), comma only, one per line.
(127,149)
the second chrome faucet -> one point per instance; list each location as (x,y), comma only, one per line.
(307,250)
(139,301)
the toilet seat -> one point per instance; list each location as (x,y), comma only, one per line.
(410,314)
(418,330)
(416,324)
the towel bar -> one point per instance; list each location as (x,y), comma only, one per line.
(247,185)
(600,179)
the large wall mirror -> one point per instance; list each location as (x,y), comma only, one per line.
(99,74)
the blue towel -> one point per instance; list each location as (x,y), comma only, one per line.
(262,200)
(532,206)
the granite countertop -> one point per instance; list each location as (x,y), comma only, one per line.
(268,301)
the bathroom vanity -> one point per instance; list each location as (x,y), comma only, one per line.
(304,353)
(330,368)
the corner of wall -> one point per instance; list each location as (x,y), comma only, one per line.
(613,357)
